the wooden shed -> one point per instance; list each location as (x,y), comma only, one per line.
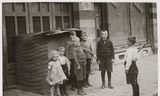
(31,58)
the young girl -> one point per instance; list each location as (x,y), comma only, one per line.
(80,65)
(55,74)
(105,57)
(86,46)
(66,69)
(69,55)
(130,65)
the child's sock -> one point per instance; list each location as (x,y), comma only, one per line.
(109,76)
(103,76)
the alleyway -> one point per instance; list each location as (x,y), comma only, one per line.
(148,81)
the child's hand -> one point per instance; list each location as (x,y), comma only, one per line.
(126,71)
(98,62)
(95,56)
(78,67)
(113,61)
(69,72)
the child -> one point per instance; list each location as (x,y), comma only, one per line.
(130,65)
(69,55)
(105,57)
(86,46)
(66,69)
(55,74)
(80,65)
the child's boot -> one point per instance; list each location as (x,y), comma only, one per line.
(87,80)
(65,91)
(110,85)
(84,83)
(103,85)
(84,93)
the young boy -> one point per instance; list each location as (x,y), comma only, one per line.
(105,57)
(69,54)
(80,65)
(131,68)
(86,46)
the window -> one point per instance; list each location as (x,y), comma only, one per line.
(46,25)
(10,32)
(62,15)
(66,22)
(58,22)
(36,24)
(21,24)
(38,27)
(10,26)
(98,19)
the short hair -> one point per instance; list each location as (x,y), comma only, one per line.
(72,32)
(61,48)
(83,33)
(132,39)
(75,39)
(104,31)
(51,53)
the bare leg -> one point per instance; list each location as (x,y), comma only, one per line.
(57,90)
(52,90)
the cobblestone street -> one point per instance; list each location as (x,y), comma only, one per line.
(148,80)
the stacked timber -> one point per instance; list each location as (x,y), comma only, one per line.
(31,59)
(31,62)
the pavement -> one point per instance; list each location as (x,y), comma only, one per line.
(147,79)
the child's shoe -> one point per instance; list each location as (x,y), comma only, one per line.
(73,89)
(110,85)
(103,86)
(89,84)
(81,92)
(85,85)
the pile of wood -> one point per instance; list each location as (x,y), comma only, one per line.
(31,58)
(31,62)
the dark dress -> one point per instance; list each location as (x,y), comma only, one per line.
(131,76)
(105,53)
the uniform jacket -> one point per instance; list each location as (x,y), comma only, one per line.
(105,49)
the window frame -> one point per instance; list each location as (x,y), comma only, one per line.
(62,14)
(40,14)
(16,14)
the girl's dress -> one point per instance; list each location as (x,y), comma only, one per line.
(65,64)
(131,58)
(56,74)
